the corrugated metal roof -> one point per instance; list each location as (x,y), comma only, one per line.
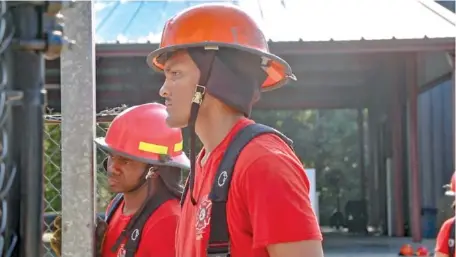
(287,20)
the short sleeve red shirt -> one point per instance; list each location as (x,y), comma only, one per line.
(158,235)
(268,201)
(442,241)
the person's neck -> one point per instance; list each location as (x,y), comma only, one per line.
(134,200)
(214,126)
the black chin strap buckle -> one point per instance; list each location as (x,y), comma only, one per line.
(197,100)
(198,96)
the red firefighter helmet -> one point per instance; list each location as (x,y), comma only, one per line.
(140,133)
(214,25)
(451,188)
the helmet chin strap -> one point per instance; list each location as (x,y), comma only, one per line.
(146,175)
(196,103)
(204,59)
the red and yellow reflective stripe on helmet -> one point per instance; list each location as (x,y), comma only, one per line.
(158,149)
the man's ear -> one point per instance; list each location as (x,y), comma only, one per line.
(105,164)
(152,172)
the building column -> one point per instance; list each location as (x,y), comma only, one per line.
(412,86)
(398,165)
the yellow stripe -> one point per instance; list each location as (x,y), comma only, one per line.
(152,148)
(178,147)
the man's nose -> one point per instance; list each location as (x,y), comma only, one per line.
(164,90)
(112,166)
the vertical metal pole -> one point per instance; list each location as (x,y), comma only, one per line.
(362,168)
(12,198)
(397,147)
(373,149)
(453,81)
(78,132)
(28,77)
(412,85)
(453,103)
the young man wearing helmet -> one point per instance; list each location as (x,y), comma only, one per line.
(216,62)
(445,242)
(144,165)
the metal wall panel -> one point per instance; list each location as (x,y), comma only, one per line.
(425,128)
(435,142)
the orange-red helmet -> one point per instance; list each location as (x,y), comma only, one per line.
(451,188)
(220,25)
(140,133)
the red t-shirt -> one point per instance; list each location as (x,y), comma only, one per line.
(268,201)
(158,235)
(442,241)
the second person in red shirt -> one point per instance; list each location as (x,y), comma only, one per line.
(216,62)
(144,162)
(445,242)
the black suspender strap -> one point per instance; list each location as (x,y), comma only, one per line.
(113,207)
(219,237)
(184,193)
(451,239)
(133,231)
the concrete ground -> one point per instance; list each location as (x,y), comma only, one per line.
(370,246)
(344,245)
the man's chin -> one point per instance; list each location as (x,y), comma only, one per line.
(115,190)
(175,123)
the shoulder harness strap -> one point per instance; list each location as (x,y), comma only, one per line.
(451,239)
(133,231)
(184,193)
(113,207)
(219,237)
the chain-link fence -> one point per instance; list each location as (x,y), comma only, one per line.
(53,171)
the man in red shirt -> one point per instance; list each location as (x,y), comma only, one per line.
(216,62)
(144,165)
(445,242)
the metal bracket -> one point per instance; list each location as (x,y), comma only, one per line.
(18,97)
(14,97)
(54,7)
(53,41)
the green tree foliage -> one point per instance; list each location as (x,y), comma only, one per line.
(53,175)
(104,195)
(325,140)
(52,164)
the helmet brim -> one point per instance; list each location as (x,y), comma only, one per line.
(151,59)
(181,161)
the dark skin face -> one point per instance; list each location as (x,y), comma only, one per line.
(181,77)
(123,173)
